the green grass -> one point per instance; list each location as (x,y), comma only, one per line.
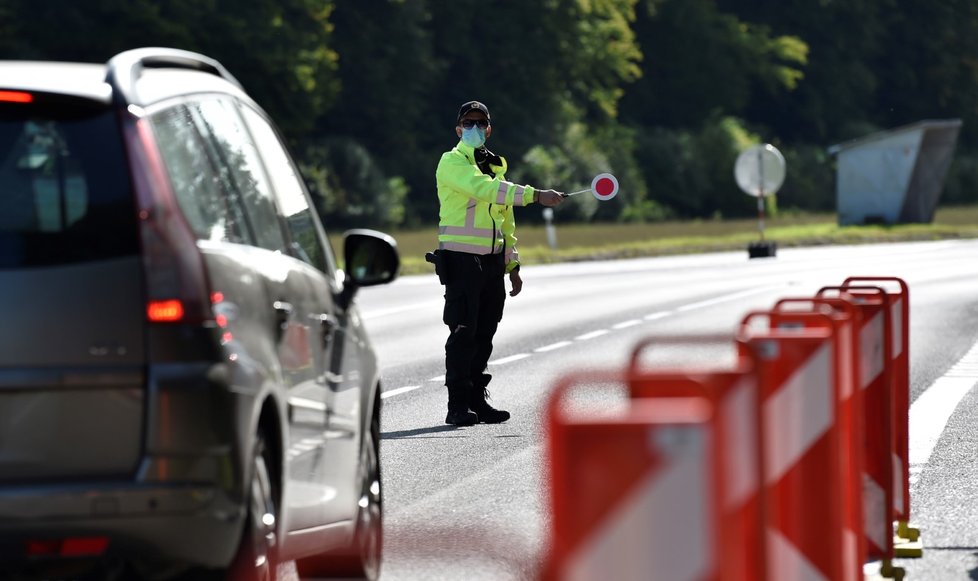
(577,242)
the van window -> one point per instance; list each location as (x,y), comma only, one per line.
(65,193)
(305,233)
(235,151)
(195,179)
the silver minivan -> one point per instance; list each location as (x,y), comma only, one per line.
(186,388)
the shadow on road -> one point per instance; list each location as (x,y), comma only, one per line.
(417,433)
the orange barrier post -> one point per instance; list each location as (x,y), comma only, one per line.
(874,380)
(845,319)
(735,395)
(805,491)
(907,542)
(634,494)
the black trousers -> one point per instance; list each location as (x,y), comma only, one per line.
(474,299)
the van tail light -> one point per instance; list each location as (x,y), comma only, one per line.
(69,547)
(166,311)
(173,266)
(16,97)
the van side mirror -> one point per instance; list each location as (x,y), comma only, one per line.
(369,258)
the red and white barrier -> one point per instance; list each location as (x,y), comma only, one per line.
(845,319)
(805,489)
(874,379)
(736,397)
(792,464)
(634,494)
(899,365)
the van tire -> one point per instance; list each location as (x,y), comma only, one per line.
(256,557)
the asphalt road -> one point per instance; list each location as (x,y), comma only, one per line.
(472,502)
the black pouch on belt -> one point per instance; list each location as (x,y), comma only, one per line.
(441,266)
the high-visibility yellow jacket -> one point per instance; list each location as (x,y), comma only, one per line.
(476,212)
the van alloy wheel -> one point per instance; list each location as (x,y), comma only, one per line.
(256,558)
(370,521)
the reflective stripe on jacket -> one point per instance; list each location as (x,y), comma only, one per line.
(476,210)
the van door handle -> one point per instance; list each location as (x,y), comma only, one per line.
(283,312)
(328,324)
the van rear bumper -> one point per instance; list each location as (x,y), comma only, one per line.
(183,501)
(195,525)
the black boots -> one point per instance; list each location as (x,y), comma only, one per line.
(480,405)
(458,407)
(461,418)
(468,405)
(479,402)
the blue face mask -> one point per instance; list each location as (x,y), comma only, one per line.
(474,136)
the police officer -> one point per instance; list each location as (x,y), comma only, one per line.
(477,248)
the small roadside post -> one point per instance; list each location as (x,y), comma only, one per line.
(548,218)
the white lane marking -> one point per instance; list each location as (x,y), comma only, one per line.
(592,335)
(395,310)
(725,298)
(931,411)
(437,302)
(398,391)
(584,337)
(553,346)
(509,359)
(659,315)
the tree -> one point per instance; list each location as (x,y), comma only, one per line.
(702,69)
(700,61)
(293,75)
(390,79)
(553,79)
(837,93)
(348,188)
(532,62)
(930,66)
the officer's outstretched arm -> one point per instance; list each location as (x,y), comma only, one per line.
(550,198)
(457,173)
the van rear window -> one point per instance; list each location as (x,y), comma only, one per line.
(65,193)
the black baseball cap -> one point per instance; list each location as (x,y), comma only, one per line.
(472,106)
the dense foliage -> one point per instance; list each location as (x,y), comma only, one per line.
(664,93)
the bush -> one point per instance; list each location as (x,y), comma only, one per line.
(809,182)
(691,172)
(348,187)
(571,165)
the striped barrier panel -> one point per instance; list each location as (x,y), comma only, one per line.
(804,488)
(907,542)
(874,353)
(734,393)
(634,493)
(844,318)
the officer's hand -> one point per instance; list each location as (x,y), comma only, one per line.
(516,282)
(550,198)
